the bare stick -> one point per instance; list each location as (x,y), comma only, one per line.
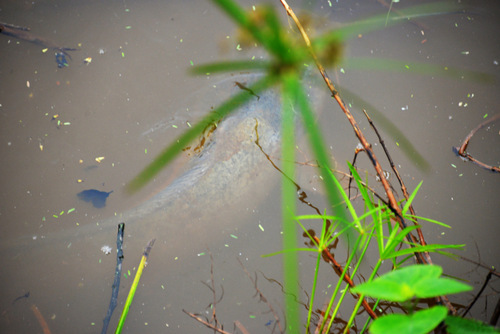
(395,170)
(460,151)
(41,319)
(262,297)
(209,325)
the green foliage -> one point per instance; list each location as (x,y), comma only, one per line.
(284,69)
(417,281)
(412,282)
(421,322)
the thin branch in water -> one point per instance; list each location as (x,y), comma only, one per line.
(460,151)
(486,281)
(402,184)
(261,296)
(209,325)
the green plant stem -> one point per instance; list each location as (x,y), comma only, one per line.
(316,272)
(290,259)
(133,288)
(336,291)
(360,297)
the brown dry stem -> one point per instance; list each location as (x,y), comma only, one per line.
(461,150)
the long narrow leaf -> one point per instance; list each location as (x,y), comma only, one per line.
(317,143)
(406,67)
(377,22)
(290,260)
(231,66)
(411,198)
(182,141)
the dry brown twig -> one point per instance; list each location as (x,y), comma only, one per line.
(262,297)
(460,151)
(206,323)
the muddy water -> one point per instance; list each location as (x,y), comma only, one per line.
(137,80)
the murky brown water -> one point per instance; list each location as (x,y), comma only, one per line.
(110,104)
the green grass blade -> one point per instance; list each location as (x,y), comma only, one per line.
(290,259)
(378,22)
(332,186)
(133,288)
(421,249)
(404,67)
(411,198)
(414,218)
(231,66)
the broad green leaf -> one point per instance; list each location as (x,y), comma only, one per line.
(421,322)
(417,281)
(428,288)
(385,289)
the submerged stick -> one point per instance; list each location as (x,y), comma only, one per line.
(460,151)
(206,323)
(116,283)
(24,34)
(133,288)
(41,319)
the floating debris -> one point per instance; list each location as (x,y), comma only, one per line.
(106,249)
(61,60)
(98,198)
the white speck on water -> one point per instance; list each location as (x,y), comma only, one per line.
(106,249)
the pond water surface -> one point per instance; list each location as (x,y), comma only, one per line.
(136,96)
